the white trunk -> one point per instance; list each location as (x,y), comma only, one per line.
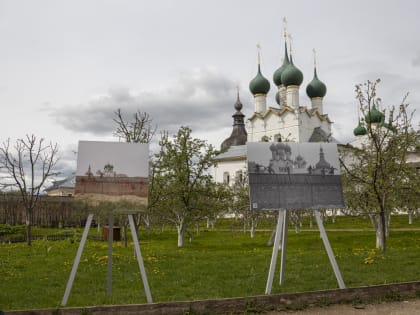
(198,229)
(180,229)
(311,224)
(208,223)
(410,217)
(379,230)
(253,228)
(28,228)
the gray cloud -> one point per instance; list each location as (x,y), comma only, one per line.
(416,60)
(202,99)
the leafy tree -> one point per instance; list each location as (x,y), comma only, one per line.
(182,190)
(28,164)
(375,169)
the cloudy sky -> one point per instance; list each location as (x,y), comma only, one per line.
(66,66)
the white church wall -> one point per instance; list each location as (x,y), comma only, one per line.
(272,126)
(228,167)
(307,125)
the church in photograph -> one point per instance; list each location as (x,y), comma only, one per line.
(284,120)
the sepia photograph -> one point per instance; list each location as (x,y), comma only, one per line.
(112,171)
(286,175)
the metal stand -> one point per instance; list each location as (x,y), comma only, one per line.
(330,253)
(280,220)
(281,232)
(109,275)
(284,245)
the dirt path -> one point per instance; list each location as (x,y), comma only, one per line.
(391,308)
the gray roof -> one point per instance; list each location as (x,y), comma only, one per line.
(318,135)
(69,182)
(234,152)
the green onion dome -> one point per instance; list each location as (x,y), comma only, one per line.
(277,74)
(374,116)
(259,84)
(359,130)
(291,75)
(316,88)
(278,97)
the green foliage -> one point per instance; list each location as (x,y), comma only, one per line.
(6,229)
(182,191)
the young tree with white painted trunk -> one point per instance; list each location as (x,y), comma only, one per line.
(376,171)
(182,191)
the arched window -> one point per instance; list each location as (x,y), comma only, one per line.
(226,178)
(277,137)
(265,139)
(239,177)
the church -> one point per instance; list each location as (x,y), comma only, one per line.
(287,121)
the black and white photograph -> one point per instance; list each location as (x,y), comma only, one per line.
(286,175)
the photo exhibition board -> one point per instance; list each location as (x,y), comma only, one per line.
(112,171)
(292,176)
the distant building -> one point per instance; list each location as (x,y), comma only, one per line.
(64,187)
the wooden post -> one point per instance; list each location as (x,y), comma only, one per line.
(330,253)
(77,261)
(140,259)
(269,285)
(284,245)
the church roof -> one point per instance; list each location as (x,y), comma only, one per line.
(235,152)
(239,135)
(318,135)
(281,111)
(69,182)
(276,111)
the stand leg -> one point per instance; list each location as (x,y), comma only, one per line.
(330,253)
(284,246)
(140,259)
(110,241)
(269,285)
(77,260)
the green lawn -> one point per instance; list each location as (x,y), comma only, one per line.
(216,264)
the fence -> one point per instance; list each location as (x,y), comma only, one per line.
(49,211)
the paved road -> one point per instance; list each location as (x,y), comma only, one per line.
(391,308)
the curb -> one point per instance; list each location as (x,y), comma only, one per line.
(252,304)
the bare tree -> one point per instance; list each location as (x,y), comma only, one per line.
(28,163)
(140,130)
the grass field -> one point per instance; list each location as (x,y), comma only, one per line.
(217,264)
